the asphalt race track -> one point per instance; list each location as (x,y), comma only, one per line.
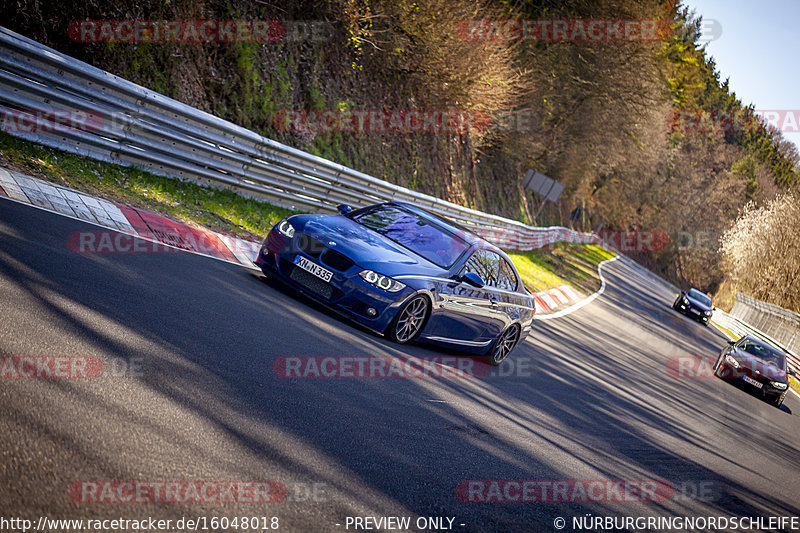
(189,393)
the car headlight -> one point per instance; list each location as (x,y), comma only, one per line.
(733,362)
(382,282)
(285,228)
(780,386)
(685,301)
(708,313)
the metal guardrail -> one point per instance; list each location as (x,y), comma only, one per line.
(135,126)
(775,321)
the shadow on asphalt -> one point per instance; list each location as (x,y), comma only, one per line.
(598,400)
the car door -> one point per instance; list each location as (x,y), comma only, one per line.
(500,284)
(466,313)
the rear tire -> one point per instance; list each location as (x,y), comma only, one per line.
(503,345)
(409,320)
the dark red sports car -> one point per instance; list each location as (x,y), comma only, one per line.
(757,365)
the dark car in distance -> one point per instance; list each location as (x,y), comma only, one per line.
(405,273)
(756,365)
(694,304)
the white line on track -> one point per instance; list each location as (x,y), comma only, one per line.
(585,301)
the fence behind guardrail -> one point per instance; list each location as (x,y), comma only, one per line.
(780,324)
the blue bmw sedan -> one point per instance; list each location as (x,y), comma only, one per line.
(405,273)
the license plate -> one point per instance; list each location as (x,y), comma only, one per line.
(751,381)
(695,311)
(322,273)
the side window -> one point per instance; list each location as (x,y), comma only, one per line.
(495,271)
(484,263)
(506,278)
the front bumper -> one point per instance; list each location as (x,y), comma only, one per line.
(346,292)
(736,376)
(693,313)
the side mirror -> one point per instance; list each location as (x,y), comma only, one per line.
(344,208)
(473,279)
(791,372)
(731,342)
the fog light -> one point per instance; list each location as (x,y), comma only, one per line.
(371,311)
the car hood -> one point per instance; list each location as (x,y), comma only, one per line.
(758,368)
(697,304)
(368,248)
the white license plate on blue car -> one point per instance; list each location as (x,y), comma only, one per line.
(322,273)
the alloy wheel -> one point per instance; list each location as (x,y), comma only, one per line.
(503,345)
(410,320)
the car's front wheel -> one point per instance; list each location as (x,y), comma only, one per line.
(409,321)
(503,345)
(718,367)
(777,401)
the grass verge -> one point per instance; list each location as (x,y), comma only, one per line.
(195,205)
(729,333)
(562,264)
(794,384)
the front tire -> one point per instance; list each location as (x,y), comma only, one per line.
(409,321)
(504,344)
(717,367)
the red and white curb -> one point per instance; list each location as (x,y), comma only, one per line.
(552,299)
(126,219)
(566,294)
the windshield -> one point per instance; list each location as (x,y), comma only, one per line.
(765,353)
(420,235)
(700,297)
